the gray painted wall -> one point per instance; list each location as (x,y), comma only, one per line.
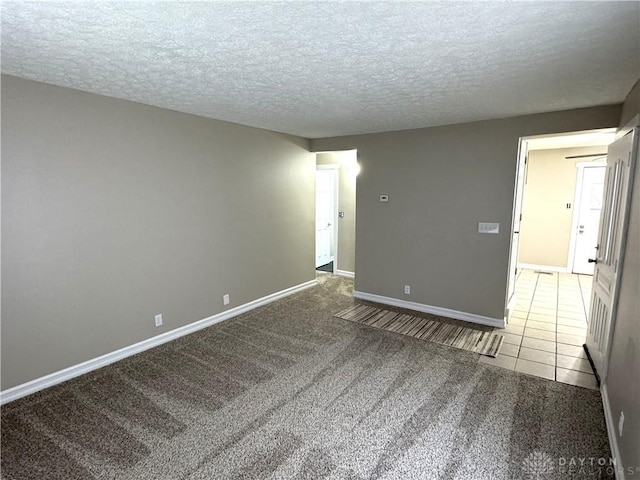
(113,211)
(442,181)
(631,105)
(346,203)
(623,378)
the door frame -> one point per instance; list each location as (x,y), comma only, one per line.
(335,169)
(580,166)
(516,214)
(521,166)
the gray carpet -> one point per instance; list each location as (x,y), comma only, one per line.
(427,329)
(288,391)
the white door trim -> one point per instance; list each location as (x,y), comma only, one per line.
(335,168)
(580,166)
(612,431)
(516,211)
(523,150)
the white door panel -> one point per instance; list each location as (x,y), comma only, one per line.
(589,208)
(610,247)
(325,212)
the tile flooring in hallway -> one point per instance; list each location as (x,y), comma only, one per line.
(547,327)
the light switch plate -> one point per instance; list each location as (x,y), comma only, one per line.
(486,227)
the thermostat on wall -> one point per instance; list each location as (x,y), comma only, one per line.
(384,198)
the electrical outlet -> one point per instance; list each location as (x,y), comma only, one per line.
(158,320)
(621,423)
(407,289)
(225,299)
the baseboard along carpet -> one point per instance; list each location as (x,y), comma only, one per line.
(464,338)
(287,391)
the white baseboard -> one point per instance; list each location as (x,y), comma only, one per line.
(612,431)
(420,307)
(345,273)
(60,376)
(543,268)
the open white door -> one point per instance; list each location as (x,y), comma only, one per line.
(589,206)
(325,213)
(610,249)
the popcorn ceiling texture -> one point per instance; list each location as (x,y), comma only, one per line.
(318,69)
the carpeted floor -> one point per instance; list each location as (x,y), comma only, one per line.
(289,391)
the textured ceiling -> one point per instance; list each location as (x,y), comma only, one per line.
(318,69)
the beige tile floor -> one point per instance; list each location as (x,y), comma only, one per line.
(546,328)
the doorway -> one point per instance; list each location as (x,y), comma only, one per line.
(547,294)
(336,174)
(549,192)
(552,198)
(326,213)
(588,205)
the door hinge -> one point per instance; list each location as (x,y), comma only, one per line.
(520,217)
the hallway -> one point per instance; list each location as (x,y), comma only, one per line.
(547,328)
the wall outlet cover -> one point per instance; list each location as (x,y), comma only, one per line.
(225,299)
(384,198)
(487,227)
(158,319)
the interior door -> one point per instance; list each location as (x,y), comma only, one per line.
(610,249)
(325,195)
(589,208)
